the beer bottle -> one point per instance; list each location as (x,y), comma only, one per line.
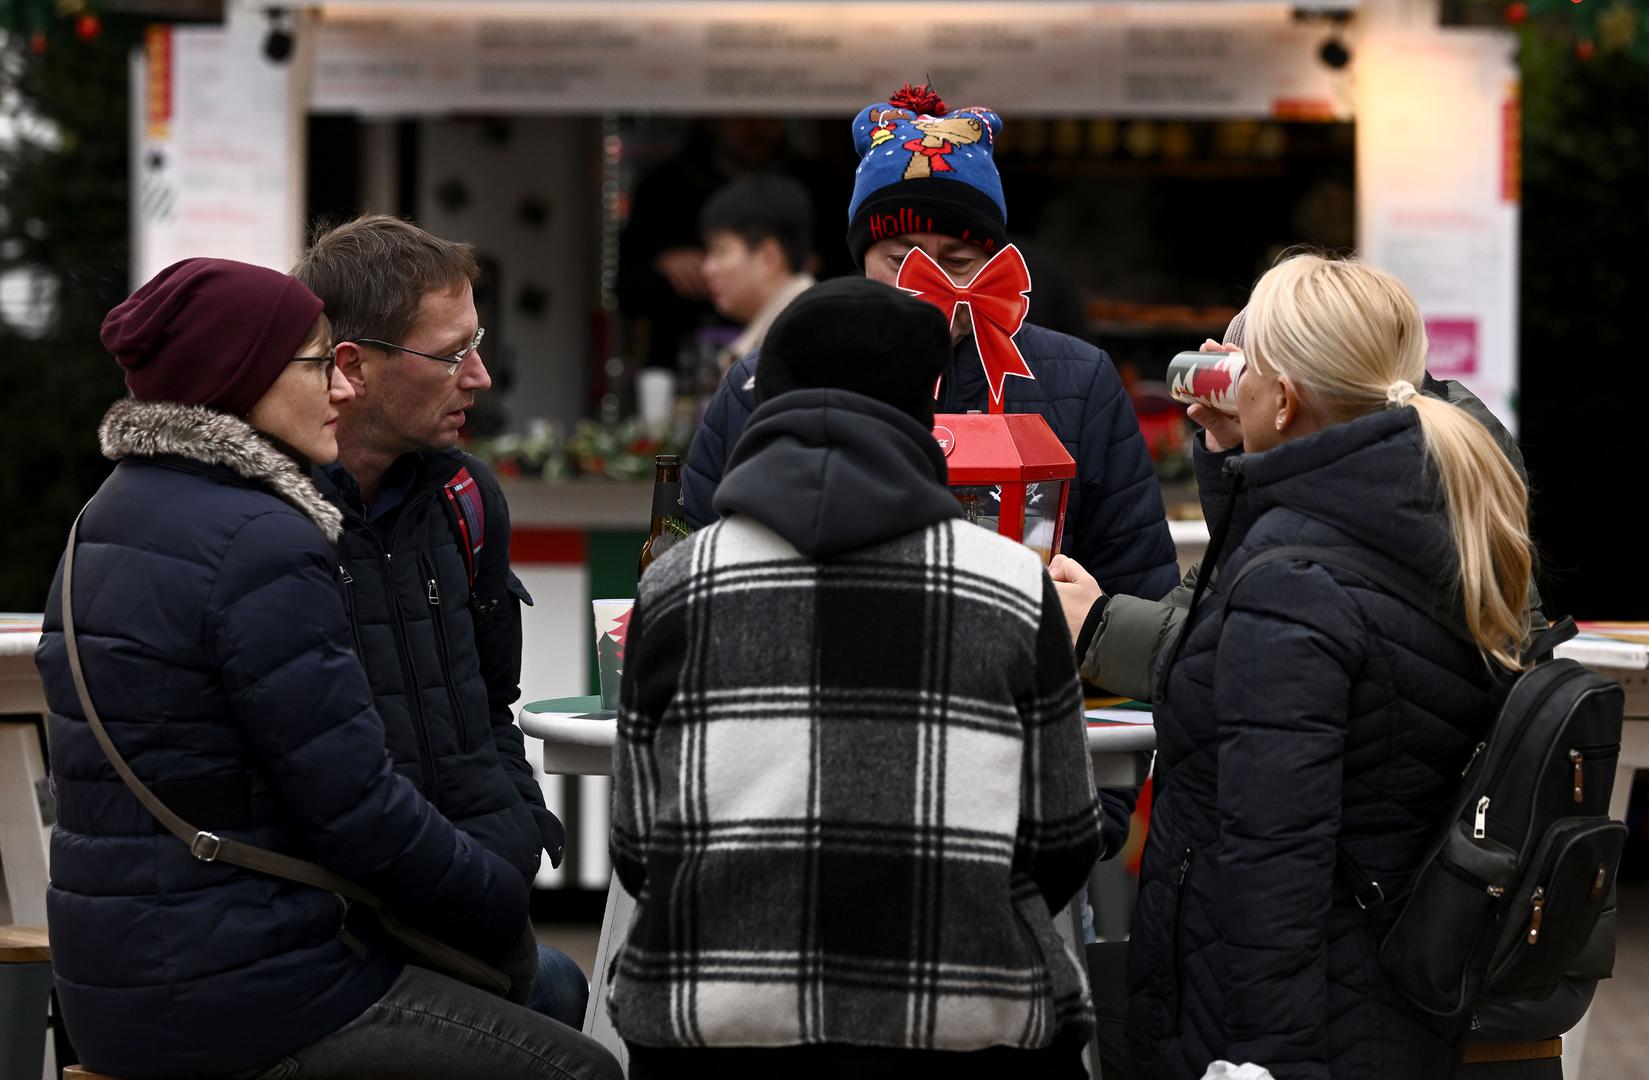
(669,525)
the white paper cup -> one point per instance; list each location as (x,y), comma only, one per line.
(655,399)
(612,618)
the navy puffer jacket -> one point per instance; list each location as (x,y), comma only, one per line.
(1114,523)
(1309,709)
(216,651)
(444,657)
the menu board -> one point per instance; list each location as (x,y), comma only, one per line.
(215,171)
(804,56)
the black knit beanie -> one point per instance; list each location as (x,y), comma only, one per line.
(852,333)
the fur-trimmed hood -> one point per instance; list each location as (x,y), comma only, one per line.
(158,428)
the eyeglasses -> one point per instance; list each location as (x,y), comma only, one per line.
(329,360)
(453,362)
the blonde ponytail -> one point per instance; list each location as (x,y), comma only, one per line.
(1489,521)
(1351,337)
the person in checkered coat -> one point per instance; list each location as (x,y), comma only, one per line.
(851,784)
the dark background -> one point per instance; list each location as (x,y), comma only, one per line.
(1152,232)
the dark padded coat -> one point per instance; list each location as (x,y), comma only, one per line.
(1114,523)
(216,651)
(1309,709)
(444,660)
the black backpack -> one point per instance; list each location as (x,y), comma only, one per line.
(1523,866)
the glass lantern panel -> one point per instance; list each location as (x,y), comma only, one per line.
(981,505)
(1042,516)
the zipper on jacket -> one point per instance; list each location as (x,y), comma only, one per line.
(1179,935)
(1480,824)
(1477,752)
(1537,904)
(398,627)
(349,611)
(1579,759)
(432,593)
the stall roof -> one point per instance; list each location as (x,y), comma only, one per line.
(1179,58)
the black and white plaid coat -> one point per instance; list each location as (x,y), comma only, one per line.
(847,796)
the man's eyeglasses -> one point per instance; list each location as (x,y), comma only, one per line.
(328,360)
(453,362)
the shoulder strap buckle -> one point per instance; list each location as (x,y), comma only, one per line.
(205,846)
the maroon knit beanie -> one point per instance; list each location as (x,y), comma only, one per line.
(210,332)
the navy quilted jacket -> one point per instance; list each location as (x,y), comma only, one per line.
(1114,522)
(216,651)
(443,658)
(1309,709)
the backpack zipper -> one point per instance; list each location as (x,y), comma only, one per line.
(1480,828)
(1537,904)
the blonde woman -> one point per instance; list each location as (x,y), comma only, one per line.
(1311,709)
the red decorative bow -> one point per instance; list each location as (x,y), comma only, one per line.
(998,299)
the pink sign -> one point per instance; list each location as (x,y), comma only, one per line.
(1453,347)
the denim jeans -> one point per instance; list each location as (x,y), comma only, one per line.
(560,991)
(430,1027)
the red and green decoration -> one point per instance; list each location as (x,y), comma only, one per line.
(1587,28)
(43,22)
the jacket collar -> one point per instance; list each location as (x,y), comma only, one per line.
(1369,478)
(152,429)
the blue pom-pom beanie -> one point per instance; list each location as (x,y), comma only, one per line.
(923,169)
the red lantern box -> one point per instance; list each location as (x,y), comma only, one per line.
(1010,473)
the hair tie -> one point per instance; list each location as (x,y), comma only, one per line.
(1398,394)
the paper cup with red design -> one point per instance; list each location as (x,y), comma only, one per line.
(612,625)
(1206,378)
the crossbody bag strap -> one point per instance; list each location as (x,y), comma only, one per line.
(203,845)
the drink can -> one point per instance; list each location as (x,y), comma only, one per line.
(1206,378)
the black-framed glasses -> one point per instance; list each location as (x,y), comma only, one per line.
(329,360)
(453,362)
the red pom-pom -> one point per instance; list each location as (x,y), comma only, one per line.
(37,43)
(88,27)
(918,99)
(1517,13)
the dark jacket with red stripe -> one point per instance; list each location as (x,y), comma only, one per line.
(444,659)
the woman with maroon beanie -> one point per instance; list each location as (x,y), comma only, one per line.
(212,636)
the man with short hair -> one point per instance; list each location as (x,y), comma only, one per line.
(927,180)
(757,238)
(432,602)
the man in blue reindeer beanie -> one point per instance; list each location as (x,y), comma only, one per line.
(927,179)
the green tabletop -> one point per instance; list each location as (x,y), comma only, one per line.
(587,704)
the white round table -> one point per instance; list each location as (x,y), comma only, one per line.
(578,740)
